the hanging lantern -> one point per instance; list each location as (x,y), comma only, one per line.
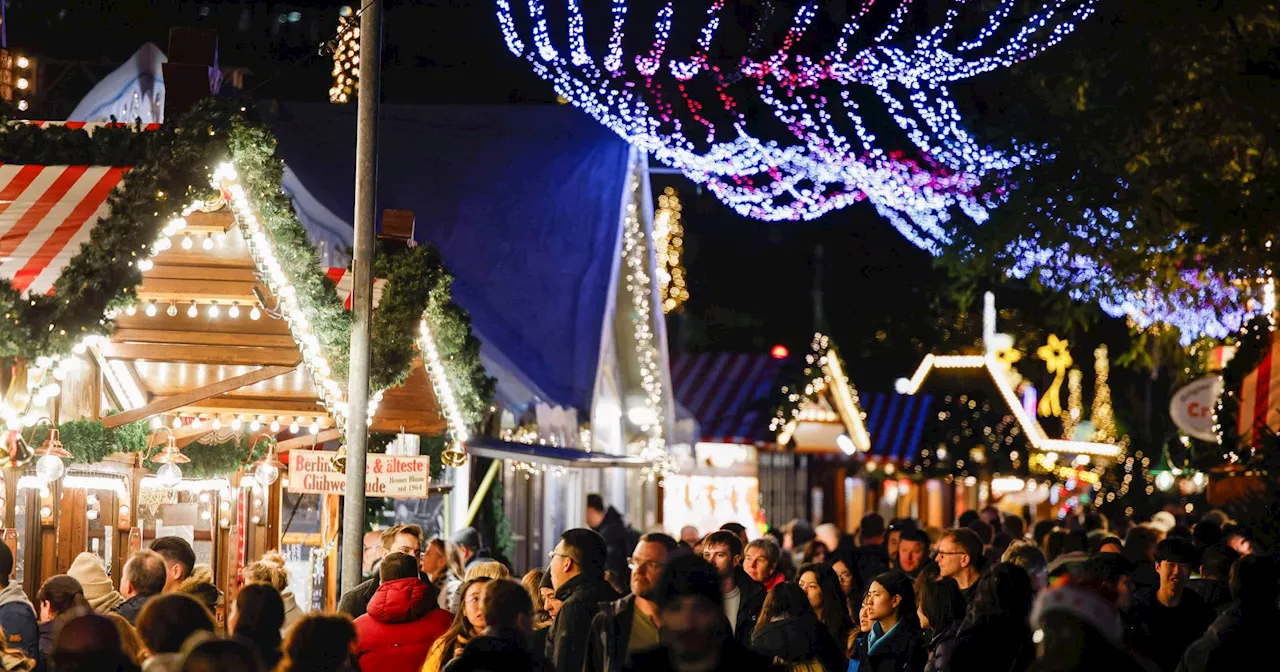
(267,470)
(170,474)
(51,465)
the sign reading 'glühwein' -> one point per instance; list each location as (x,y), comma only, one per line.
(393,476)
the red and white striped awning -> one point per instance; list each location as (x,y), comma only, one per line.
(1260,397)
(46,214)
(345,281)
(86,126)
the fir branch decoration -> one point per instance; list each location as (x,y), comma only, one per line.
(90,442)
(1252,345)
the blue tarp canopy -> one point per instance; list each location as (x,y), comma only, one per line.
(523,202)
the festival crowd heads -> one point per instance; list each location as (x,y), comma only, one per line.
(996,592)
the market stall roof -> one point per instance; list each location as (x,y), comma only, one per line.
(896,423)
(524,204)
(497,449)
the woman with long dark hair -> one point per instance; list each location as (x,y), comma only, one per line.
(60,597)
(893,645)
(320,643)
(996,634)
(468,624)
(257,616)
(789,633)
(822,588)
(940,609)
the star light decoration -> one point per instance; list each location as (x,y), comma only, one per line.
(828,100)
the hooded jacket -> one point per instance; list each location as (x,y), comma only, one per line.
(940,648)
(98,589)
(568,640)
(18,619)
(796,641)
(355,602)
(401,624)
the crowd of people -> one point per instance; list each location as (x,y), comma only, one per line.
(991,594)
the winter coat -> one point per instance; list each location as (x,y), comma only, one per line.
(355,602)
(899,650)
(610,632)
(401,624)
(798,644)
(619,540)
(450,585)
(995,643)
(567,642)
(752,602)
(940,648)
(733,658)
(18,620)
(1233,642)
(1162,634)
(1215,593)
(131,607)
(499,652)
(870,561)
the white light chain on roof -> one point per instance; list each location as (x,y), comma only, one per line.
(830,159)
(440,383)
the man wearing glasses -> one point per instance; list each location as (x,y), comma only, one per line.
(959,552)
(577,573)
(405,539)
(629,625)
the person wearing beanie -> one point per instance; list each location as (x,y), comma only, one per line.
(98,589)
(550,602)
(1080,628)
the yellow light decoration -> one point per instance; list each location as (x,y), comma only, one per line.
(1103,417)
(1057,360)
(1075,404)
(346,61)
(668,247)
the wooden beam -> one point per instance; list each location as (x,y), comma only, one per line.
(183,435)
(306,441)
(309,407)
(177,256)
(198,289)
(202,322)
(179,400)
(171,336)
(175,272)
(204,354)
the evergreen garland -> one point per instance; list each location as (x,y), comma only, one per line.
(172,167)
(1252,346)
(89,442)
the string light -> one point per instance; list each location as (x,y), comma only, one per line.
(151,308)
(193,311)
(131,310)
(1102,415)
(668,247)
(346,60)
(187,243)
(234,311)
(173,309)
(254,313)
(440,384)
(213,310)
(207,243)
(832,158)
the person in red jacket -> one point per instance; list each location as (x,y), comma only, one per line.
(403,619)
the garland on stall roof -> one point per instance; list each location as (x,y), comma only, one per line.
(173,167)
(802,382)
(89,442)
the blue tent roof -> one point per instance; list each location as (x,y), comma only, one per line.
(523,202)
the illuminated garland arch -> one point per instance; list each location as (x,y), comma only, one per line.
(1253,344)
(174,166)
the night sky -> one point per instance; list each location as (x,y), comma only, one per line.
(751,282)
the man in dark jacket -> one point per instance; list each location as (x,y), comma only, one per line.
(144,577)
(627,626)
(694,634)
(871,556)
(1215,572)
(504,646)
(17,615)
(1240,638)
(1164,622)
(577,574)
(405,539)
(742,597)
(619,538)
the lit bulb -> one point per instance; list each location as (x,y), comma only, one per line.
(50,468)
(151,309)
(204,498)
(224,505)
(236,424)
(193,310)
(266,474)
(275,426)
(217,423)
(169,475)
(315,427)
(293,426)
(255,313)
(173,309)
(255,426)
(177,421)
(234,311)
(146,265)
(131,310)
(196,422)
(155,423)
(207,243)
(187,243)
(213,310)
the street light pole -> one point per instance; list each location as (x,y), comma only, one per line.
(362,302)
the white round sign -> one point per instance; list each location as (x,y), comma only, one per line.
(1192,408)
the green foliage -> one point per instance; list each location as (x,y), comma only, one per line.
(1163,112)
(90,442)
(1253,345)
